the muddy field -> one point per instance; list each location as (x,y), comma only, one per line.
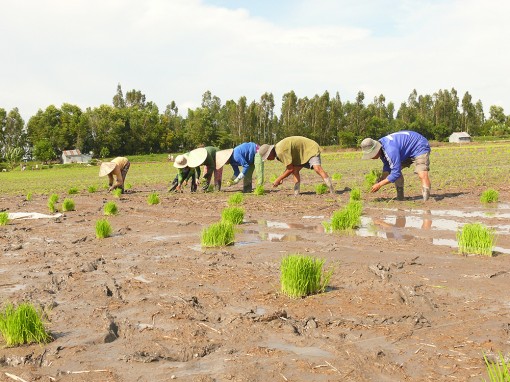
(149,304)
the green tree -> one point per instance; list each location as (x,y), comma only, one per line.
(43,151)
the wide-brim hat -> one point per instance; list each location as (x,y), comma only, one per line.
(222,157)
(180,161)
(106,168)
(265,150)
(370,148)
(196,157)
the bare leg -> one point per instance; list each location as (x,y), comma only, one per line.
(324,175)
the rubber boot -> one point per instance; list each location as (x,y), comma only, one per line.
(426,193)
(329,183)
(296,188)
(247,188)
(400,193)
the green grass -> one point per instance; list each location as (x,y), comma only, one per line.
(321,189)
(22,325)
(68,205)
(91,189)
(73,191)
(153,199)
(489,196)
(236,199)
(336,177)
(218,235)
(347,218)
(103,229)
(259,191)
(476,239)
(355,194)
(234,215)
(303,275)
(4,218)
(117,192)
(128,186)
(110,208)
(497,372)
(28,197)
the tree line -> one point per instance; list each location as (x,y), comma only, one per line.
(132,125)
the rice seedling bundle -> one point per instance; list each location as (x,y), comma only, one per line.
(234,215)
(117,192)
(128,186)
(236,199)
(489,196)
(497,372)
(259,191)
(53,198)
(347,218)
(29,197)
(51,206)
(110,208)
(303,275)
(4,218)
(73,190)
(218,235)
(336,177)
(153,199)
(22,325)
(92,189)
(103,229)
(477,239)
(371,178)
(321,189)
(355,194)
(68,205)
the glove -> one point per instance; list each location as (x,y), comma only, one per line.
(239,177)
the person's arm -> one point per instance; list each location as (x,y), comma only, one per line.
(383,181)
(119,181)
(286,173)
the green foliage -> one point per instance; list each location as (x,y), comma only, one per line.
(259,191)
(4,218)
(104,152)
(497,372)
(321,189)
(355,194)
(336,177)
(54,198)
(51,206)
(153,199)
(234,215)
(103,229)
(489,196)
(29,197)
(13,156)
(110,208)
(68,205)
(73,191)
(347,218)
(128,186)
(218,235)
(477,239)
(236,199)
(372,178)
(303,275)
(22,325)
(117,192)
(91,189)
(43,151)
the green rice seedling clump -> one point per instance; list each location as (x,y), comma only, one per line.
(234,215)
(68,205)
(347,218)
(128,186)
(103,229)
(497,371)
(336,177)
(218,235)
(489,196)
(153,199)
(51,206)
(372,178)
(4,218)
(236,199)
(91,189)
(29,197)
(476,239)
(53,198)
(321,189)
(22,325)
(73,191)
(303,275)
(110,208)
(259,191)
(355,194)
(117,192)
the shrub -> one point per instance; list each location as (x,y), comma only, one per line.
(117,192)
(218,235)
(110,208)
(236,199)
(234,215)
(153,199)
(259,190)
(497,372)
(103,228)
(371,178)
(355,194)
(347,218)
(303,275)
(68,205)
(22,325)
(321,189)
(489,196)
(4,218)
(92,189)
(475,238)
(73,191)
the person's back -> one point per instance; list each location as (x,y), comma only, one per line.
(405,144)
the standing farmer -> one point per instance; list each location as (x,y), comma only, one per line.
(295,153)
(119,168)
(399,150)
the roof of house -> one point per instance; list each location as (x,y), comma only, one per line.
(460,134)
(70,153)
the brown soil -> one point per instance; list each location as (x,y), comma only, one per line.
(148,304)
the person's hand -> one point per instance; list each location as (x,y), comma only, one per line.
(110,188)
(376,187)
(277,183)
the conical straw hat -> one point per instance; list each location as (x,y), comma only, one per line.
(106,168)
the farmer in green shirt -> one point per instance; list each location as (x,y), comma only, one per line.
(295,153)
(206,156)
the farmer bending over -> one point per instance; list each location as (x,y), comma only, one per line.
(119,168)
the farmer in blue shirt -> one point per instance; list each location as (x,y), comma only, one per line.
(398,150)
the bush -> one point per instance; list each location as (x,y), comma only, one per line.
(103,229)
(68,205)
(153,199)
(4,218)
(218,235)
(234,215)
(22,325)
(489,196)
(477,239)
(303,275)
(110,208)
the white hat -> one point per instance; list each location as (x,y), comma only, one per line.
(181,161)
(196,157)
(106,168)
(222,157)
(370,148)
(265,150)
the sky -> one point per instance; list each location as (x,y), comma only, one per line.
(78,51)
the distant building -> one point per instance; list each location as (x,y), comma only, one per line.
(460,137)
(75,156)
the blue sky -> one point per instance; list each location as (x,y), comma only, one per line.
(57,51)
